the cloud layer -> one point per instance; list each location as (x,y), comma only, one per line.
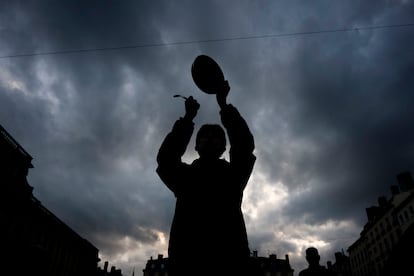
(331,113)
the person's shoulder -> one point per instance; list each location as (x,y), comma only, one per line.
(223,162)
(320,271)
(303,272)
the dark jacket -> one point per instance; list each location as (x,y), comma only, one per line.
(317,270)
(208,217)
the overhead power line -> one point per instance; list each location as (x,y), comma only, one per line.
(152,45)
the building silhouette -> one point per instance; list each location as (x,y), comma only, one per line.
(34,240)
(388,223)
(272,266)
(341,266)
(105,272)
(156,267)
(269,266)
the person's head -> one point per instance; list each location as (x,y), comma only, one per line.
(312,256)
(210,141)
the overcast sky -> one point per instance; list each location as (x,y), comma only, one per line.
(331,112)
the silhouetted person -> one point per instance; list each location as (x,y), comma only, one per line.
(314,268)
(208,232)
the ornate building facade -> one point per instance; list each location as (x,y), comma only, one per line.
(387,224)
(34,240)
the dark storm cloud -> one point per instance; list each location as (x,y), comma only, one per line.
(355,108)
(331,113)
(90,127)
(349,119)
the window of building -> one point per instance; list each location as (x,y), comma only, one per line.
(401,219)
(405,214)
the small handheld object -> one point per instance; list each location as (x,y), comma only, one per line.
(180,96)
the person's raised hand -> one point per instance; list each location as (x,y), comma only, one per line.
(221,94)
(191,108)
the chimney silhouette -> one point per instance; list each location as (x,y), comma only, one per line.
(395,190)
(405,181)
(382,201)
(372,212)
(106,268)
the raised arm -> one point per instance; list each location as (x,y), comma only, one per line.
(241,139)
(175,144)
(238,131)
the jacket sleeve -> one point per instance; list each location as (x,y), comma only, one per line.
(242,145)
(170,167)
